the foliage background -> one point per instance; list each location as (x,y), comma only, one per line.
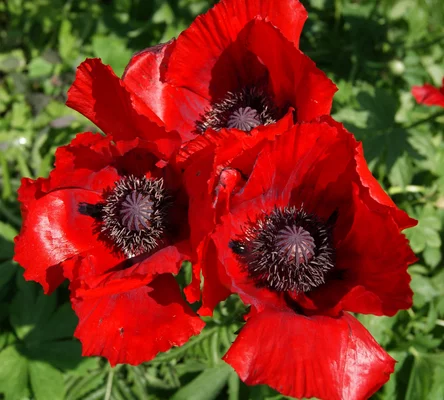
(375,50)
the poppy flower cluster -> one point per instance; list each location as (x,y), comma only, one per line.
(218,148)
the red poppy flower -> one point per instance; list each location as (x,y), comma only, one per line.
(304,233)
(112,219)
(237,66)
(429,95)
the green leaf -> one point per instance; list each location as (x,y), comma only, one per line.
(13,374)
(7,234)
(113,51)
(68,48)
(381,328)
(207,385)
(426,377)
(391,388)
(60,325)
(432,256)
(29,310)
(233,386)
(381,106)
(426,233)
(85,384)
(39,68)
(12,61)
(423,290)
(46,381)
(7,270)
(163,14)
(401,173)
(65,355)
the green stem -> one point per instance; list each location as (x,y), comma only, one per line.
(109,384)
(408,189)
(414,351)
(424,120)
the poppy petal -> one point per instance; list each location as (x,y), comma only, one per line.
(374,257)
(134,326)
(210,34)
(178,109)
(52,232)
(86,151)
(303,357)
(429,95)
(121,274)
(376,194)
(102,97)
(293,76)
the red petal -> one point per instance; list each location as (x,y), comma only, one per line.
(216,282)
(104,275)
(177,108)
(429,95)
(376,194)
(133,326)
(239,282)
(53,231)
(324,357)
(293,76)
(210,34)
(231,143)
(86,151)
(102,97)
(375,257)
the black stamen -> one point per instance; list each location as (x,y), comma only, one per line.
(237,247)
(244,110)
(287,249)
(91,210)
(134,214)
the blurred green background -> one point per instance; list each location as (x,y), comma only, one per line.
(374,50)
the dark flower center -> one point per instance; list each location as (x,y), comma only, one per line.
(244,110)
(287,249)
(133,215)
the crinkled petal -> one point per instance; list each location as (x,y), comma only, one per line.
(374,258)
(133,326)
(216,282)
(54,229)
(178,109)
(374,193)
(294,78)
(52,232)
(102,97)
(103,275)
(212,33)
(86,151)
(323,357)
(429,95)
